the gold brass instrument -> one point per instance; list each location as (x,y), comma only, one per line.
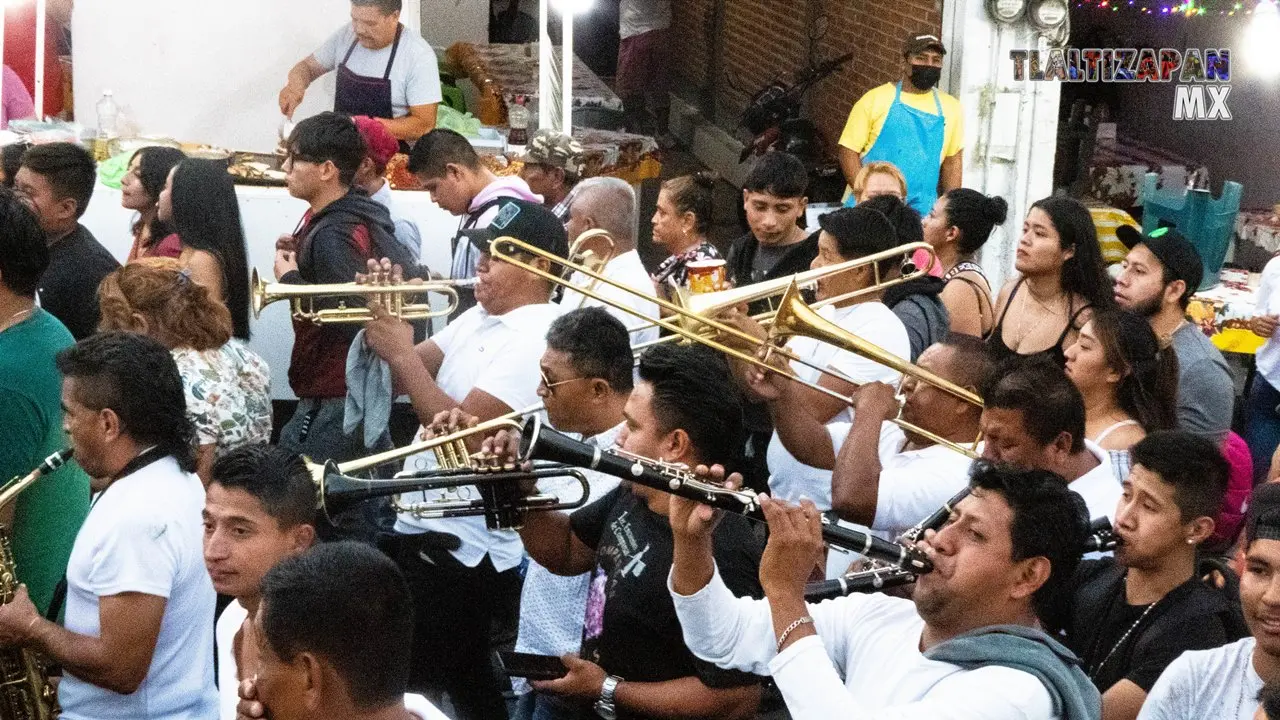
(793,317)
(581,254)
(393,298)
(711,304)
(538,442)
(25,692)
(499,501)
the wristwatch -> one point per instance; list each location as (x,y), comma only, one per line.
(604,706)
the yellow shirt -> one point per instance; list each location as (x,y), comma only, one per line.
(868,114)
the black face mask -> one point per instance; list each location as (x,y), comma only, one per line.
(924,77)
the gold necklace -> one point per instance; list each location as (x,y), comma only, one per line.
(11,320)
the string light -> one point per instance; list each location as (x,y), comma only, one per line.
(1187,8)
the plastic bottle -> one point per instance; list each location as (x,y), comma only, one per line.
(518,118)
(108,114)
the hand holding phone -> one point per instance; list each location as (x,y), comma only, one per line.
(533,667)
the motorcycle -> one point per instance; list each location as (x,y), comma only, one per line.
(773,122)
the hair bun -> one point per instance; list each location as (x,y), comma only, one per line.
(996,209)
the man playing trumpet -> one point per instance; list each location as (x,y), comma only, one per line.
(485,362)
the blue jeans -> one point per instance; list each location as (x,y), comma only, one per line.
(540,706)
(315,431)
(1262,427)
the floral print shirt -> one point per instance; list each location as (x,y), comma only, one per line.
(228,394)
(674,268)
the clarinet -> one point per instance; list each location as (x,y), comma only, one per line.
(539,442)
(872,579)
(1102,538)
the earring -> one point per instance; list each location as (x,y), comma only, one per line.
(1191,541)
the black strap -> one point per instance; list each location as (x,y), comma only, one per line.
(395,47)
(143,459)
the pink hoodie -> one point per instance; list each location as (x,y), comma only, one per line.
(512,187)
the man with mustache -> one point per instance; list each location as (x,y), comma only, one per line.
(1006,550)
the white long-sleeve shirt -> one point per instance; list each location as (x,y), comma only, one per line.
(864,663)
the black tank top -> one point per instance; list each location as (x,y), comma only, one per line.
(1056,352)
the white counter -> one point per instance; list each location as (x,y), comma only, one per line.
(268,213)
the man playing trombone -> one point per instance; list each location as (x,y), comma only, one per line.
(847,234)
(485,362)
(884,477)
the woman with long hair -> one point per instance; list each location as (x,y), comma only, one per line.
(957,227)
(680,225)
(199,203)
(140,191)
(227,385)
(1129,384)
(1061,280)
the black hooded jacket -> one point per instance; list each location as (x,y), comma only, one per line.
(333,245)
(918,304)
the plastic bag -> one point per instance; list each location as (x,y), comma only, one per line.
(464,124)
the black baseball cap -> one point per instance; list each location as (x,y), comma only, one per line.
(1262,521)
(859,230)
(919,42)
(1172,249)
(525,221)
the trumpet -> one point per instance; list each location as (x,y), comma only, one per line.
(393,298)
(538,442)
(701,305)
(499,501)
(793,318)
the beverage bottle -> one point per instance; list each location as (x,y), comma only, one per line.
(518,118)
(108,114)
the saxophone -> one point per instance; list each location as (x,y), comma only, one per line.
(25,692)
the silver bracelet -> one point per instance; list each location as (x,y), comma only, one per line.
(801,621)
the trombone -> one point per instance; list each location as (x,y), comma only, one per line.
(714,303)
(500,500)
(393,298)
(581,254)
(793,317)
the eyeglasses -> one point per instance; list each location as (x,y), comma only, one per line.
(551,386)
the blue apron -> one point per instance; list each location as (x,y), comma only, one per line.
(912,140)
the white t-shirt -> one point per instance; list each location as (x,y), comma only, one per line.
(1268,303)
(914,483)
(407,233)
(415,75)
(875,323)
(1099,487)
(553,607)
(499,355)
(229,623)
(1219,683)
(640,16)
(864,662)
(144,534)
(419,706)
(625,269)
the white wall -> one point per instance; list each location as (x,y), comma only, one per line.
(445,22)
(203,71)
(1011,128)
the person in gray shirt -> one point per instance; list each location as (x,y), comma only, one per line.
(1159,276)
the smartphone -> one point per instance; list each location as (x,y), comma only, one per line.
(533,667)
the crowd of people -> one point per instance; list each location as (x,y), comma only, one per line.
(1087,535)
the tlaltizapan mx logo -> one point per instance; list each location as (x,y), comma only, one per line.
(1203,75)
